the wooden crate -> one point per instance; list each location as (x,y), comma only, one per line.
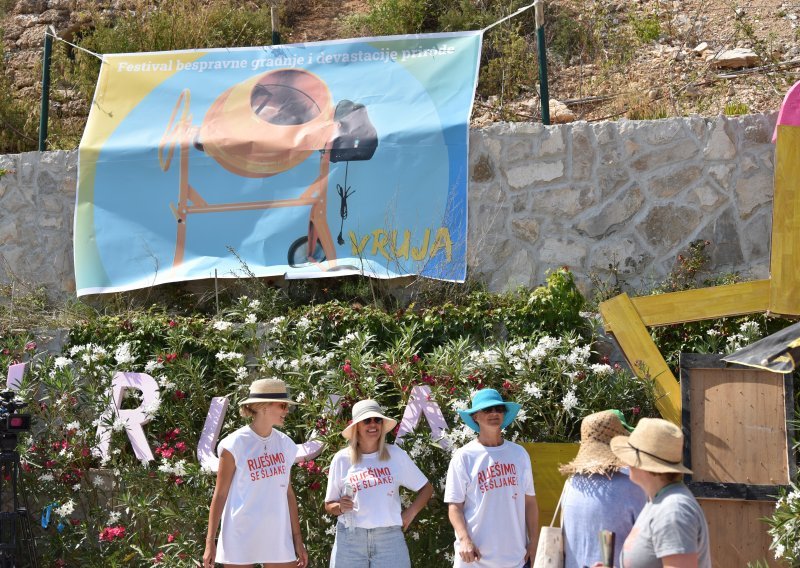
(738,445)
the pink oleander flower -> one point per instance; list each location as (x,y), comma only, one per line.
(110,534)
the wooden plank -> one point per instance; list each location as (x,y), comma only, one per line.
(545,459)
(738,427)
(736,533)
(704,303)
(785,255)
(642,354)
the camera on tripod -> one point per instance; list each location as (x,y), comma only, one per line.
(11,421)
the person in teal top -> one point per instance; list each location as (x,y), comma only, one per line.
(671,531)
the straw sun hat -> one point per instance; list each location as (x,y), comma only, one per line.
(364,409)
(595,455)
(267,390)
(655,445)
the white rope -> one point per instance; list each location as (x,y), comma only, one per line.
(55,36)
(524,8)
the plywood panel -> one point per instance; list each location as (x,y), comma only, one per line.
(624,322)
(736,534)
(785,255)
(738,427)
(704,303)
(548,481)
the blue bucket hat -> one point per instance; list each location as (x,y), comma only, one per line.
(484,399)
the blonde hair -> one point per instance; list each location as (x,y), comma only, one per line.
(250,410)
(355,451)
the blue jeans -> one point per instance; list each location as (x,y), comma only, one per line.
(382,547)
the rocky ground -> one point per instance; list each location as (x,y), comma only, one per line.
(683,71)
(678,69)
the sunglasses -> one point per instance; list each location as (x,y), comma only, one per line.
(498,408)
(373,420)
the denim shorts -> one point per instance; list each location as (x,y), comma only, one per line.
(382,547)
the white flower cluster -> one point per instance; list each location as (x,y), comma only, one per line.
(89,353)
(151,408)
(578,356)
(570,401)
(222,325)
(459,436)
(123,354)
(61,362)
(486,358)
(229,356)
(532,389)
(165,383)
(75,425)
(151,366)
(601,369)
(66,509)
(177,468)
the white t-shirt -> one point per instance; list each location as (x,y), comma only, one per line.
(255,520)
(376,485)
(492,482)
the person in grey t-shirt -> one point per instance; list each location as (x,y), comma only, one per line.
(671,530)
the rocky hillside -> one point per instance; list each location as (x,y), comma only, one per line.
(640,59)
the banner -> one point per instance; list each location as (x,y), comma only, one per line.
(303,160)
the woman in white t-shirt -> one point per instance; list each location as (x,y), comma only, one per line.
(253,497)
(489,491)
(364,492)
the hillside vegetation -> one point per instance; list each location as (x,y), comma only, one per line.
(607,59)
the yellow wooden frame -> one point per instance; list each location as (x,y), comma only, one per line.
(627,319)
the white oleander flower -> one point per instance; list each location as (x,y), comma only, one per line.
(250,318)
(123,354)
(66,509)
(61,362)
(533,390)
(151,366)
(113,517)
(749,327)
(228,355)
(46,477)
(222,325)
(601,369)
(570,401)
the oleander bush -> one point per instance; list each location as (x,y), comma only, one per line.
(94,509)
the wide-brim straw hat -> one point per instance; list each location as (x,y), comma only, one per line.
(595,455)
(655,445)
(267,390)
(486,398)
(364,409)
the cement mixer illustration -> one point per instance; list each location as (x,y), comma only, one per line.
(261,127)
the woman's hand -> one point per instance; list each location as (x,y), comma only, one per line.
(408,517)
(468,551)
(209,555)
(346,504)
(302,554)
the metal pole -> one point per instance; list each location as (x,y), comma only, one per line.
(45,109)
(276,35)
(544,95)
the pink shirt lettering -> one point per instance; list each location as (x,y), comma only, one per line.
(370,477)
(497,476)
(266,466)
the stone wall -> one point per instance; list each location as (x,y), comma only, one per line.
(632,194)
